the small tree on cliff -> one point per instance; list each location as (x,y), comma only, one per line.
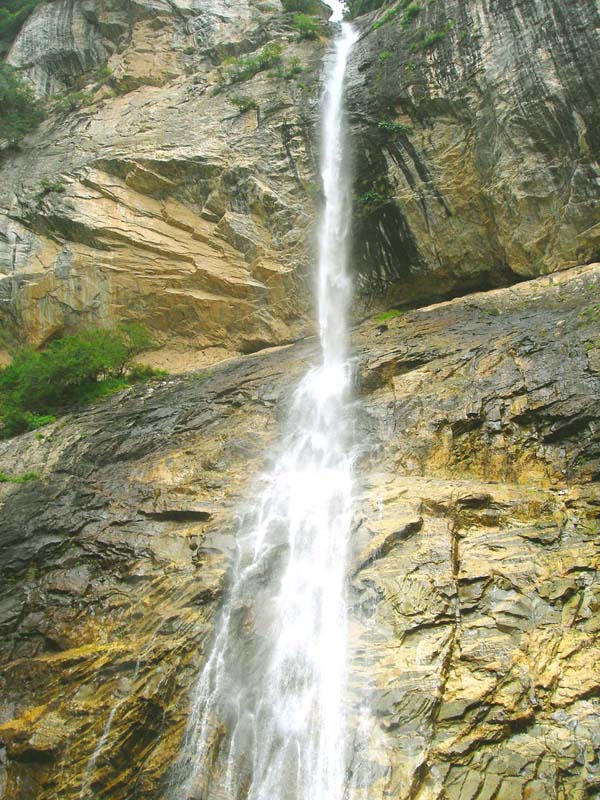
(20,112)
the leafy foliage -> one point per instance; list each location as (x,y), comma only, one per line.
(13,14)
(390,14)
(410,13)
(358,7)
(243,103)
(393,127)
(73,101)
(430,40)
(75,369)
(25,477)
(242,69)
(287,71)
(303,6)
(373,199)
(20,112)
(386,315)
(307,27)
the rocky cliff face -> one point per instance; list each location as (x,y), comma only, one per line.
(474,589)
(148,194)
(477,143)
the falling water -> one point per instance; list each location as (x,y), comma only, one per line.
(267,715)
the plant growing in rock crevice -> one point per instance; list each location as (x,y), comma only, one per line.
(243,103)
(75,369)
(20,112)
(389,126)
(413,10)
(238,70)
(24,477)
(306,26)
(427,41)
(288,70)
(373,199)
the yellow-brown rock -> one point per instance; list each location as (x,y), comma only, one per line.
(473,587)
(152,197)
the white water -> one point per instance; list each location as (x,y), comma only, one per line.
(267,719)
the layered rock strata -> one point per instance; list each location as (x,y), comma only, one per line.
(476,127)
(474,587)
(156,191)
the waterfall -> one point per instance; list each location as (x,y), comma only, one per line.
(267,713)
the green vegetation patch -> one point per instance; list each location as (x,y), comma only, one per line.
(76,369)
(389,126)
(238,70)
(243,103)
(410,13)
(372,199)
(20,112)
(307,27)
(403,5)
(13,14)
(386,315)
(25,477)
(288,71)
(427,41)
(304,6)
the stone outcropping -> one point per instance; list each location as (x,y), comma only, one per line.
(476,127)
(154,191)
(474,586)
(148,195)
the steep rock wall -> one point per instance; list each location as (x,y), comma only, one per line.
(476,127)
(148,194)
(476,164)
(474,590)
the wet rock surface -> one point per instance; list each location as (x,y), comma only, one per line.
(476,128)
(473,588)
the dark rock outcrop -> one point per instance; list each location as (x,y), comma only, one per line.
(475,553)
(476,127)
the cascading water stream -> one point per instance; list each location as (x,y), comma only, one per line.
(267,715)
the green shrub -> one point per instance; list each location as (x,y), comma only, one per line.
(73,101)
(410,8)
(20,113)
(393,12)
(51,186)
(410,13)
(242,69)
(75,369)
(307,27)
(288,71)
(358,7)
(373,199)
(243,103)
(304,6)
(431,39)
(139,373)
(394,127)
(385,315)
(25,477)
(384,55)
(13,14)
